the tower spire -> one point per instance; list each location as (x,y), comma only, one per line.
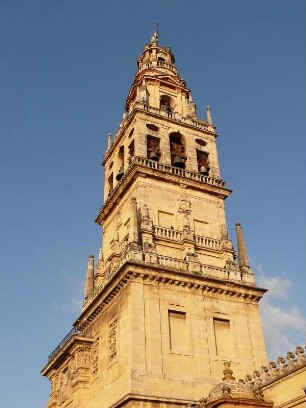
(242,251)
(89,277)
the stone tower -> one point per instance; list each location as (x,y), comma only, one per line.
(167,303)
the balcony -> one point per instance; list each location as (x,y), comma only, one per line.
(73,332)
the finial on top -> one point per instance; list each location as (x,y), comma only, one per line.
(228,373)
(155,36)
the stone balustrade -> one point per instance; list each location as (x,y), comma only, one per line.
(166,168)
(179,265)
(171,262)
(208,242)
(159,64)
(167,233)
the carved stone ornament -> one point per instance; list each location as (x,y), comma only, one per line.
(63,388)
(184,205)
(112,342)
(95,357)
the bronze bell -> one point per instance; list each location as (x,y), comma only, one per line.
(203,171)
(178,162)
(153,156)
(120,173)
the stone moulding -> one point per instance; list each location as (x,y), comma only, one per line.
(66,350)
(138,271)
(143,166)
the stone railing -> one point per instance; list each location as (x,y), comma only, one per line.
(208,242)
(174,263)
(73,332)
(166,168)
(179,265)
(167,233)
(155,64)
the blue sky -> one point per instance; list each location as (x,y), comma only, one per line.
(66,67)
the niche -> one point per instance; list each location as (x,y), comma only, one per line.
(203,162)
(177,150)
(121,161)
(153,148)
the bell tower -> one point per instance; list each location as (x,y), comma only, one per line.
(168,301)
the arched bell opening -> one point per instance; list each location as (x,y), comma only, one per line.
(167,104)
(110,181)
(203,162)
(153,148)
(121,165)
(177,150)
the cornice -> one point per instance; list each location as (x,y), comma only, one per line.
(162,275)
(66,351)
(212,186)
(148,398)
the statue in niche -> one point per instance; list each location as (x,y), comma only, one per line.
(186,225)
(63,385)
(145,213)
(224,233)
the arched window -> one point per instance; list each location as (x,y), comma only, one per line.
(177,150)
(167,103)
(121,161)
(203,162)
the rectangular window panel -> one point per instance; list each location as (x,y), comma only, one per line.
(165,219)
(201,228)
(223,338)
(178,331)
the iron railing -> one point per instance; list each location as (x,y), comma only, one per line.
(74,331)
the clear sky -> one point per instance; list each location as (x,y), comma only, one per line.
(66,67)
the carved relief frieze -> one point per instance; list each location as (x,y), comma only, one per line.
(63,387)
(95,358)
(112,341)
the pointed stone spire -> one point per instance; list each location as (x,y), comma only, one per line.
(134,234)
(208,114)
(109,140)
(90,277)
(100,255)
(242,251)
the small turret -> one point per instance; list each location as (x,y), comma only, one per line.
(242,251)
(109,140)
(208,114)
(90,277)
